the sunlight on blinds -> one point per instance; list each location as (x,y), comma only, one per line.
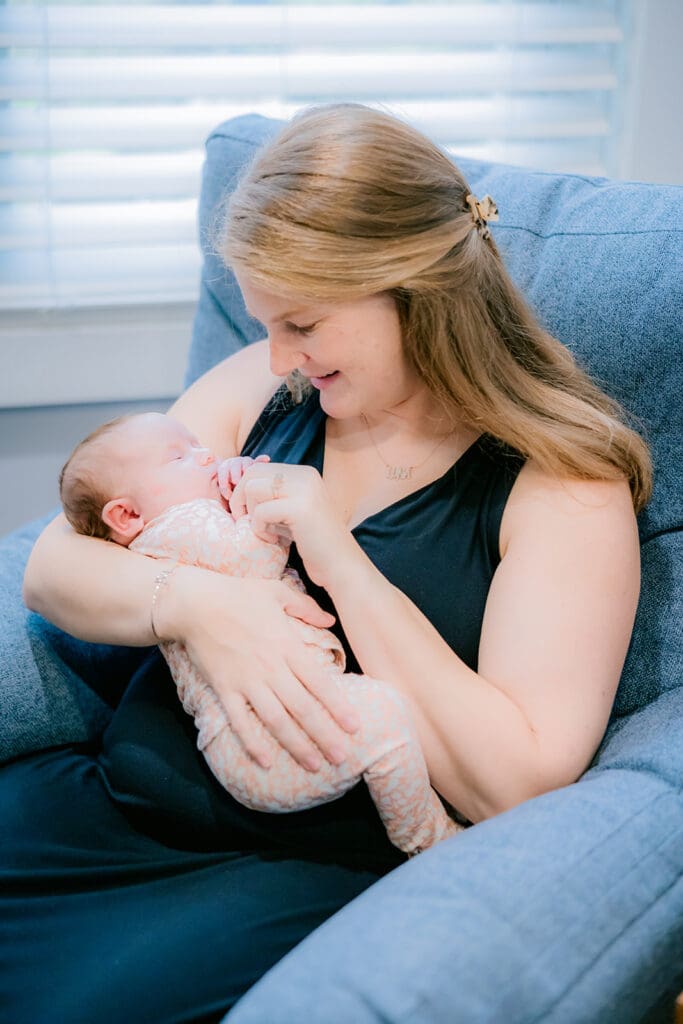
(105,109)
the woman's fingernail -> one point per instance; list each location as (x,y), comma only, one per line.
(351,722)
(312,763)
(338,755)
(265,762)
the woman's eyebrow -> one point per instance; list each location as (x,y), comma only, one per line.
(279,319)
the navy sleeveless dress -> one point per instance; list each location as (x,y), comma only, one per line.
(132,887)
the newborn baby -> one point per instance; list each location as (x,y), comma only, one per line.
(145,482)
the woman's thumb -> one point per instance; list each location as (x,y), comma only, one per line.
(302,606)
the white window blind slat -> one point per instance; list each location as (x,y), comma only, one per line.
(139,127)
(157,26)
(100,276)
(328,75)
(77,224)
(98,176)
(105,108)
(179,127)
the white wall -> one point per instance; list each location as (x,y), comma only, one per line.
(133,360)
(653,139)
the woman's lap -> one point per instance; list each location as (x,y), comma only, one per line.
(156,775)
(104,919)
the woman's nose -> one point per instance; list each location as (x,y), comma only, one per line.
(284,357)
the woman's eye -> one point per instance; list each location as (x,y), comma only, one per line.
(300,330)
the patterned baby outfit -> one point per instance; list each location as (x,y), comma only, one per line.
(384,751)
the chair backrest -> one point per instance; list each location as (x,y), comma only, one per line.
(602,263)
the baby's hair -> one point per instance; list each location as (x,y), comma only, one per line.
(82,488)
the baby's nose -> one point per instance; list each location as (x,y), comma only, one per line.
(205,457)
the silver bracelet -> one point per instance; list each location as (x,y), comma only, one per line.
(160,581)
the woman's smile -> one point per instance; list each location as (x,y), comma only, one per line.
(324,382)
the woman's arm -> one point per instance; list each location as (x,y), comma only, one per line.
(101,592)
(96,590)
(556,629)
(90,588)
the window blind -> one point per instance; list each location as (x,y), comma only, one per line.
(104,110)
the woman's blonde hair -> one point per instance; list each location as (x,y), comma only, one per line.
(348,201)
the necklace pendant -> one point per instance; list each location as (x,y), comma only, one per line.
(399,472)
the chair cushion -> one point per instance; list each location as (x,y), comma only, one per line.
(54,689)
(654,662)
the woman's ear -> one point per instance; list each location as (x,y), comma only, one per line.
(123,519)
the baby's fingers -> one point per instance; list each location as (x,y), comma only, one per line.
(238,467)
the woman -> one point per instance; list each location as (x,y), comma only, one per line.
(462,498)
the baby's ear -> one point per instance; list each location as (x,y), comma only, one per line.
(123,519)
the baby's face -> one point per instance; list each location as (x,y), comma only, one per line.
(159,463)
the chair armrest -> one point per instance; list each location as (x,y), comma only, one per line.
(566,908)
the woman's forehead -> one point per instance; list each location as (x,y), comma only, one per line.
(266,304)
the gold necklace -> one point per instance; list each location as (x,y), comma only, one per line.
(401,472)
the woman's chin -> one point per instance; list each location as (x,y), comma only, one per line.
(336,405)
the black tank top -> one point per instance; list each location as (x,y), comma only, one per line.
(439,545)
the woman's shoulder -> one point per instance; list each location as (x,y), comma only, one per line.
(222,406)
(541,501)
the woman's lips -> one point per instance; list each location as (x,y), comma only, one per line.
(323,382)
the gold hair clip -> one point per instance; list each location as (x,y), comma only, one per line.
(482,212)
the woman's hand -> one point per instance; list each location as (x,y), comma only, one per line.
(240,635)
(230,472)
(292,502)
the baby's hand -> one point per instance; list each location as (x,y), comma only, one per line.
(230,472)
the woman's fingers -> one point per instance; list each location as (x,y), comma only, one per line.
(303,606)
(326,696)
(261,483)
(303,728)
(230,471)
(240,499)
(295,719)
(286,730)
(243,725)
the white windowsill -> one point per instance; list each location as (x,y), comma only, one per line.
(65,357)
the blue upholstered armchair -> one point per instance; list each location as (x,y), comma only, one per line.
(568,908)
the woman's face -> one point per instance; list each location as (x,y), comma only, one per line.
(351,352)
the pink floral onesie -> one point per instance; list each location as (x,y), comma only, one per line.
(384,751)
